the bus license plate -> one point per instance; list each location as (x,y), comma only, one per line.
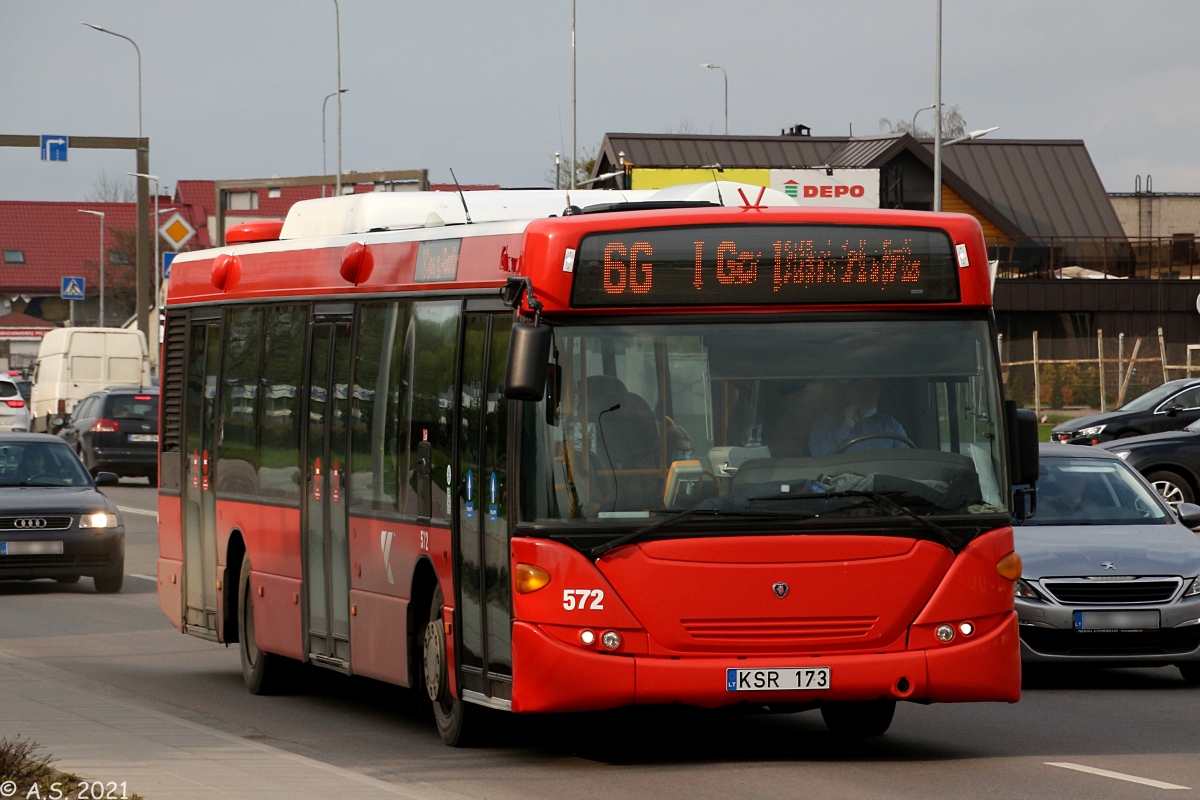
(143,437)
(776,679)
(31,548)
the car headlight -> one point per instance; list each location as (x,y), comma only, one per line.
(98,519)
(1023,589)
(1092,431)
(1122,454)
(1194,589)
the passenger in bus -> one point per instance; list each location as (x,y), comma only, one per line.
(859,417)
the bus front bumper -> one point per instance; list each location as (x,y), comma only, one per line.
(552,676)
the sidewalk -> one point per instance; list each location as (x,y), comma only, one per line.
(105,737)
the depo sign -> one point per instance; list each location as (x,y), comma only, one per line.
(848,188)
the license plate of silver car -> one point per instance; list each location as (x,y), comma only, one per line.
(1142,620)
(31,548)
(777,679)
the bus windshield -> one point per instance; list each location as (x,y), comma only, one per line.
(643,419)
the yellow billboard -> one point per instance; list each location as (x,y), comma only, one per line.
(651,178)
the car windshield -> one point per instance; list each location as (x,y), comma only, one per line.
(1093,491)
(40,464)
(1152,398)
(142,407)
(651,418)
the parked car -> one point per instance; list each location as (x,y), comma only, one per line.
(1169,407)
(1170,461)
(116,430)
(14,410)
(53,521)
(1111,574)
(74,362)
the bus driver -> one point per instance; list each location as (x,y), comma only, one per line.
(860,417)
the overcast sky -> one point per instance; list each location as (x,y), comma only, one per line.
(233,88)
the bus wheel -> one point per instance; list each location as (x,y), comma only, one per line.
(458,723)
(859,720)
(264,673)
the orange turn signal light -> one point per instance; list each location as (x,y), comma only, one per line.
(529,578)
(1009,567)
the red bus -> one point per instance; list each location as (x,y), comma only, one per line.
(647,452)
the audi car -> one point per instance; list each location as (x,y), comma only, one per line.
(1169,407)
(1111,573)
(116,430)
(54,522)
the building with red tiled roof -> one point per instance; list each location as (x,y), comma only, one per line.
(43,242)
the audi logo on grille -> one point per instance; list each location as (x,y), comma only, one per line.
(29,522)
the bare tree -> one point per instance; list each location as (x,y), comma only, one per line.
(107,189)
(685,127)
(953,125)
(585,162)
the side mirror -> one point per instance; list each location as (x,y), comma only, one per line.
(1189,514)
(528,361)
(1023,457)
(1174,410)
(107,479)
(57,422)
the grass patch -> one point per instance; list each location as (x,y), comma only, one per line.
(23,763)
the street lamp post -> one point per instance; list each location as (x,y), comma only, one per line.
(157,263)
(913,127)
(937,117)
(726,74)
(324,166)
(99,214)
(143,188)
(337,19)
(574,104)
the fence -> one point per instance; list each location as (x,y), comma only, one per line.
(1098,373)
(1159,257)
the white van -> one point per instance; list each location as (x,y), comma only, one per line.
(74,362)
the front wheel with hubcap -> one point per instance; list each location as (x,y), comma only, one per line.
(1173,488)
(264,673)
(459,724)
(859,720)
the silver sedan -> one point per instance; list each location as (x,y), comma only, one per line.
(1111,574)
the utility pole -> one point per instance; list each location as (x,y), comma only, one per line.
(337,17)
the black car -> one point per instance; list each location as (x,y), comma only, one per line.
(116,430)
(1169,407)
(1170,461)
(53,521)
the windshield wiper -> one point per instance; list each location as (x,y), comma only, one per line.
(881,499)
(599,550)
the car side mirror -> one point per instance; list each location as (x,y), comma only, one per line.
(528,361)
(1173,410)
(1189,514)
(57,422)
(112,479)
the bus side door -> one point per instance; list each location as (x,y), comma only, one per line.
(485,599)
(199,500)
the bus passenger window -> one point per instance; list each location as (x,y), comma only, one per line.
(279,406)
(237,450)
(432,334)
(379,395)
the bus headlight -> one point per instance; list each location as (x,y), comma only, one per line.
(98,519)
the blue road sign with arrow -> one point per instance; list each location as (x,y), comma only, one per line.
(73,288)
(54,148)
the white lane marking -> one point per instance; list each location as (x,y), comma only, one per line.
(143,577)
(142,511)
(1121,776)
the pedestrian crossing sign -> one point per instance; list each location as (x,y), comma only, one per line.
(73,288)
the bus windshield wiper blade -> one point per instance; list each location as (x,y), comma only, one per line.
(880,499)
(599,550)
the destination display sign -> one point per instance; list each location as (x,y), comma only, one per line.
(764,264)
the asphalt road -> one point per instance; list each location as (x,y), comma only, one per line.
(1141,723)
